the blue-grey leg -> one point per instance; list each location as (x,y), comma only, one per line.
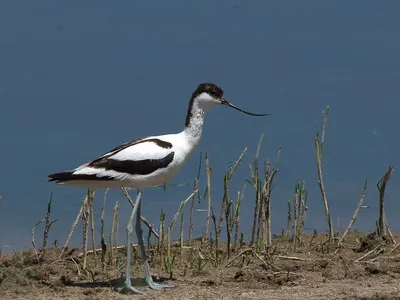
(149,280)
(127,287)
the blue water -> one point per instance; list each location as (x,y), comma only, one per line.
(79,78)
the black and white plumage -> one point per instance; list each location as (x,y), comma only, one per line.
(135,164)
(146,162)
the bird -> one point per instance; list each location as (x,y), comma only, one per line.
(146,162)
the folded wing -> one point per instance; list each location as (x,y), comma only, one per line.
(139,157)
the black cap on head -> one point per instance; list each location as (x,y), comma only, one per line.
(209,88)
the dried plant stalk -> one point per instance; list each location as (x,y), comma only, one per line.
(295,216)
(171,227)
(229,226)
(102,241)
(236,219)
(91,213)
(116,224)
(256,185)
(370,252)
(161,242)
(381,185)
(208,172)
(214,218)
(149,243)
(78,216)
(168,244)
(269,175)
(261,216)
(355,215)
(73,227)
(390,234)
(86,213)
(181,237)
(224,209)
(195,187)
(267,193)
(319,147)
(47,226)
(85,220)
(169,262)
(112,233)
(299,213)
(303,208)
(256,221)
(181,206)
(33,238)
(289,221)
(226,203)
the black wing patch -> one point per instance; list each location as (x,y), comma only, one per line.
(68,176)
(139,167)
(132,167)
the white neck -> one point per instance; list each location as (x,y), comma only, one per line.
(194,128)
(198,106)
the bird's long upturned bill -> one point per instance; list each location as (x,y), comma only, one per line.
(224,102)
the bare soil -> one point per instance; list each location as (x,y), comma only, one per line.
(310,272)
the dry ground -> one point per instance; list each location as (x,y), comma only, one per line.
(308,273)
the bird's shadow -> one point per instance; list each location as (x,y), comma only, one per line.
(115,283)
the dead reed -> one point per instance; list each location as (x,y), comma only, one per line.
(319,144)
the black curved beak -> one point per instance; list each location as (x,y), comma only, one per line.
(224,102)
